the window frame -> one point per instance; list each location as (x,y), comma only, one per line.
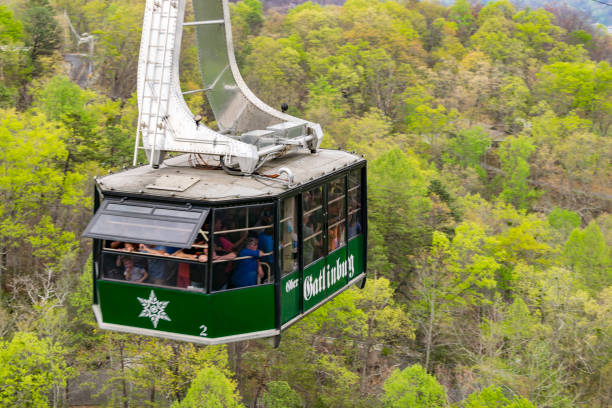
(103,210)
(214,213)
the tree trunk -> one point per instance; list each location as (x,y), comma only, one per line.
(429,334)
(123,381)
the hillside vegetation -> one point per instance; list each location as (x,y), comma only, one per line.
(488,132)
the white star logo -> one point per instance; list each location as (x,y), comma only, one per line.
(154,309)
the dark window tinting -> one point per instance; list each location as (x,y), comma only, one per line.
(313,225)
(288,243)
(354,203)
(336,217)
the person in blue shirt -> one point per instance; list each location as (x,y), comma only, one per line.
(248,269)
(266,245)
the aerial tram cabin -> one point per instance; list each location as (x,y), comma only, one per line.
(242,230)
(316,226)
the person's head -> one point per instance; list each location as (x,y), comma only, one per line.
(129,247)
(266,217)
(218,224)
(128,262)
(251,243)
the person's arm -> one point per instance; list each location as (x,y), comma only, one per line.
(226,257)
(181,254)
(244,236)
(145,275)
(152,251)
(260,272)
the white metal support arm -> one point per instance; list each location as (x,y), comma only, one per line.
(250,131)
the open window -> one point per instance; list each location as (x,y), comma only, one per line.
(243,246)
(147,223)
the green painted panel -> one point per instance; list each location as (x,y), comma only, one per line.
(241,311)
(331,274)
(192,313)
(290,296)
(153,308)
(356,247)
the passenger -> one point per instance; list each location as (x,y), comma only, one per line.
(222,271)
(264,221)
(333,239)
(123,246)
(248,269)
(161,272)
(133,273)
(309,244)
(266,246)
(354,226)
(189,273)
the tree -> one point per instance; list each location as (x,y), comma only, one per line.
(492,397)
(398,191)
(279,394)
(211,389)
(413,387)
(41,30)
(514,156)
(584,86)
(34,188)
(30,369)
(469,147)
(587,253)
(461,13)
(13,58)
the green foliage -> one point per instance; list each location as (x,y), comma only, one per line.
(413,387)
(11,30)
(494,398)
(469,147)
(29,369)
(279,394)
(588,254)
(94,123)
(41,30)
(211,389)
(514,156)
(398,190)
(563,220)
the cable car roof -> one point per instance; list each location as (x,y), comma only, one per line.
(177,179)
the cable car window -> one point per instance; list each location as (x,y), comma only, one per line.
(288,244)
(182,270)
(336,218)
(149,223)
(313,225)
(243,247)
(354,204)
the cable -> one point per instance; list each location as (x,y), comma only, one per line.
(602,2)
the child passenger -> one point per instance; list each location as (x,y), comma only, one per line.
(133,273)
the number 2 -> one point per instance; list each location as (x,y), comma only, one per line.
(203,333)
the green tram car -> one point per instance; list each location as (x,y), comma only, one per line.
(314,219)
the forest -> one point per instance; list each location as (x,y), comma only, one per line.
(488,134)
